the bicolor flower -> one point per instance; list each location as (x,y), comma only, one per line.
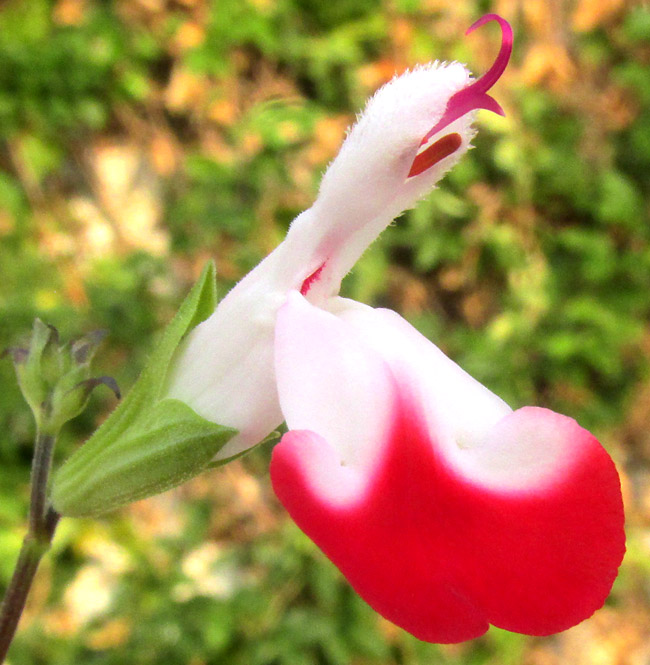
(445,509)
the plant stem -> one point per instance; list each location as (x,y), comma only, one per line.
(42,524)
(41,464)
(21,582)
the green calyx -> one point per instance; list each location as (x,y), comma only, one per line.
(150,443)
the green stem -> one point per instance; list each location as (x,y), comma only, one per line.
(42,524)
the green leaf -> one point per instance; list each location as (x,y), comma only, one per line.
(169,446)
(197,306)
(149,444)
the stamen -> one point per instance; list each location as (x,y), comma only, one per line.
(435,153)
(307,284)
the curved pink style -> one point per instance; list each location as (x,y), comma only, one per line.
(472,97)
(442,557)
(475,95)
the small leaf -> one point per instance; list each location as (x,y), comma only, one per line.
(197,306)
(170,446)
(148,444)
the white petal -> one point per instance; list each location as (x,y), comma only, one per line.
(477,433)
(459,409)
(331,383)
(366,186)
(225,370)
(530,450)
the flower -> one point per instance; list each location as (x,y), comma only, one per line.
(445,509)
(412,132)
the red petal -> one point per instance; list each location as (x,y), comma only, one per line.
(441,556)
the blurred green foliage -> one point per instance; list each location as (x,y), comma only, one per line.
(530,266)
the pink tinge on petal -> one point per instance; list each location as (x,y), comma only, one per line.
(443,557)
(309,282)
(475,96)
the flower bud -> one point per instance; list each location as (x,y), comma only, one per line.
(55,379)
